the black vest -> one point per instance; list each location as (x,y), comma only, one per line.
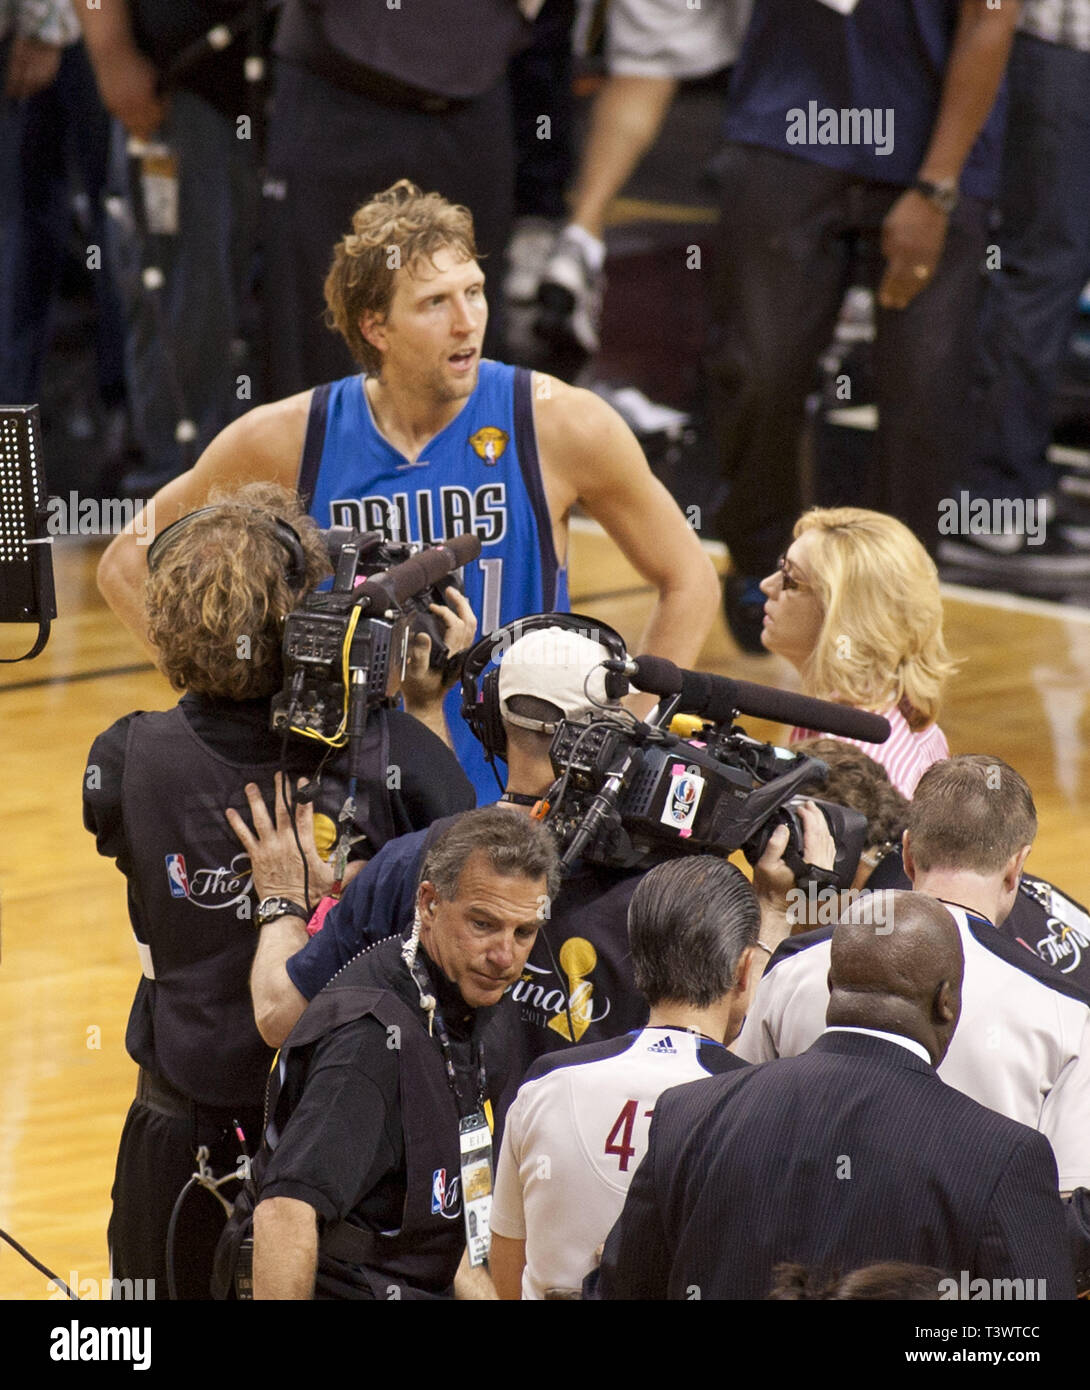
(192,900)
(421,1259)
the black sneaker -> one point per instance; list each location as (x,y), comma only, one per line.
(744,606)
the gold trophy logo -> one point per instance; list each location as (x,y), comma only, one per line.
(577,959)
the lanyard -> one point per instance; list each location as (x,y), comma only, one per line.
(425,987)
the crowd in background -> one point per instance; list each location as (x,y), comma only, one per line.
(211,154)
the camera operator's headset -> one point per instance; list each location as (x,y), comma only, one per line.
(481,707)
(295,572)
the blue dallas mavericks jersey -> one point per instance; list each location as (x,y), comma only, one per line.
(479,474)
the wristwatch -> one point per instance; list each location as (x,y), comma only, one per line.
(944,195)
(270,908)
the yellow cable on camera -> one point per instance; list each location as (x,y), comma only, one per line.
(339,738)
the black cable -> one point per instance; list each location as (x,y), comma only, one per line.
(172,1288)
(38,1265)
(289,806)
(617,708)
(42,638)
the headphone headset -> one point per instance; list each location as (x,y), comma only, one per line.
(296,570)
(481,708)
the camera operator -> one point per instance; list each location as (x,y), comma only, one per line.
(219,588)
(578,985)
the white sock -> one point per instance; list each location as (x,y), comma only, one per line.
(593,249)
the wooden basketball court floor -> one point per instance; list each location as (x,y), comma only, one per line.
(68,967)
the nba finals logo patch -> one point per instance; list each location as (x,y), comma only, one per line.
(683,798)
(489,443)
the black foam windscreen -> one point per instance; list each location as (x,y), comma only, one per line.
(719,698)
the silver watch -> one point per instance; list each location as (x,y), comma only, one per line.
(270,908)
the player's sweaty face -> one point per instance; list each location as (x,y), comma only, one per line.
(435,326)
(481,937)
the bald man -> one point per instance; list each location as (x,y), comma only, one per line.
(852,1153)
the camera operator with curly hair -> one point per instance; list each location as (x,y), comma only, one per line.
(220,586)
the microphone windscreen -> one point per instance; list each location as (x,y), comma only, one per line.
(657,676)
(718,699)
(465,548)
(787,707)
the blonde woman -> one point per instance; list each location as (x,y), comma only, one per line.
(854,606)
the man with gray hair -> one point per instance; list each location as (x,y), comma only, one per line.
(376,1168)
(578,1128)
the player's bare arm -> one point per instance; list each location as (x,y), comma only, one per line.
(589,455)
(264,444)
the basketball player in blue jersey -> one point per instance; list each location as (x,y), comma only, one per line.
(431,441)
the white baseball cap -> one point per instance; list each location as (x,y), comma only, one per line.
(558,665)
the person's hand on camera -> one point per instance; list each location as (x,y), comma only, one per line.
(424,687)
(275,862)
(774,881)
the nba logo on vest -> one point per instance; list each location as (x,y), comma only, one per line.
(176,876)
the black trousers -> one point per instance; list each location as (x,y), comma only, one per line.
(155,1160)
(329,150)
(793,236)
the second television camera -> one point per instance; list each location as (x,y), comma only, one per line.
(630,793)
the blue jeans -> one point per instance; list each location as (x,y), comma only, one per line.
(1044,242)
(180,346)
(792,236)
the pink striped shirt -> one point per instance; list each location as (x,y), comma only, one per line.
(905,755)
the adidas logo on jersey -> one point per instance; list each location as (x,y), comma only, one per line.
(664,1045)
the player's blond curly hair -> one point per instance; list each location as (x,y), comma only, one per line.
(400,226)
(881,641)
(218,592)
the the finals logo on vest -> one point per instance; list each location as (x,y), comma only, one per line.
(446,1198)
(543,1002)
(1063,945)
(224,886)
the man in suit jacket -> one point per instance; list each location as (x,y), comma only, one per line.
(852,1153)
